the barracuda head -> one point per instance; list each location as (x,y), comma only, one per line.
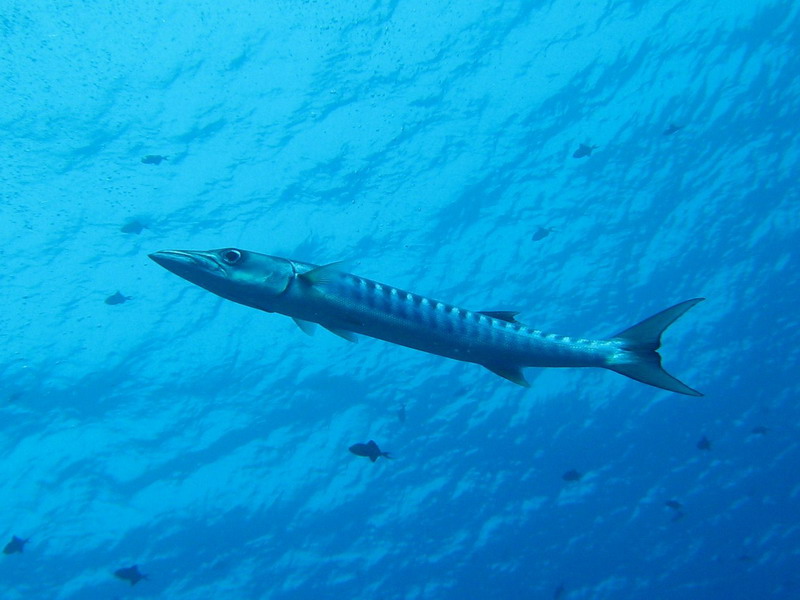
(245,277)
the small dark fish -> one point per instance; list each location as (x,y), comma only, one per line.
(759,430)
(572,475)
(672,129)
(704,444)
(673,504)
(153,159)
(584,150)
(559,592)
(16,545)
(679,514)
(401,414)
(541,233)
(370,450)
(134,227)
(131,574)
(117,299)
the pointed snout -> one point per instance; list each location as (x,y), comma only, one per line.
(168,257)
(185,263)
(177,261)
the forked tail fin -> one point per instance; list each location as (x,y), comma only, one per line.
(641,361)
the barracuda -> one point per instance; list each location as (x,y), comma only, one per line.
(347,305)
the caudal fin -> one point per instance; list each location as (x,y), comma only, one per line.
(641,360)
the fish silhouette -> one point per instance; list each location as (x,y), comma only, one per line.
(117,299)
(584,150)
(541,233)
(131,574)
(134,227)
(704,444)
(15,546)
(672,129)
(370,450)
(153,159)
(572,475)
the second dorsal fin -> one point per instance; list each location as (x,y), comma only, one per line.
(503,315)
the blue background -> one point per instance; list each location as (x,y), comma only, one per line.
(207,442)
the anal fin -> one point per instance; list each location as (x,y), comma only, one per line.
(511,372)
(343,333)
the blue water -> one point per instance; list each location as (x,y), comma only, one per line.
(207,442)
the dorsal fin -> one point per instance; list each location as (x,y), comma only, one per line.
(322,275)
(503,315)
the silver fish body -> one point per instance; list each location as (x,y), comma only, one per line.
(348,304)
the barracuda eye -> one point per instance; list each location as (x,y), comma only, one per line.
(231,256)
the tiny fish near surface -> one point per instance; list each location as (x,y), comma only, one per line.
(130,574)
(584,150)
(16,545)
(369,450)
(541,233)
(347,304)
(135,227)
(117,298)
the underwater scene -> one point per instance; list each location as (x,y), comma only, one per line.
(400,300)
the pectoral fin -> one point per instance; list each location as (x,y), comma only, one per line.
(511,372)
(306,326)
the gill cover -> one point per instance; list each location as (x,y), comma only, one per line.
(245,277)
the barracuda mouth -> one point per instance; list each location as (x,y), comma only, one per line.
(188,263)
